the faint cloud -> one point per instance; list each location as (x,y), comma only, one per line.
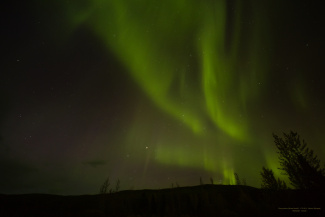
(95,163)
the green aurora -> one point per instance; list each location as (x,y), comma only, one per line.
(187,56)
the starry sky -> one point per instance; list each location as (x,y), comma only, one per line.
(155,92)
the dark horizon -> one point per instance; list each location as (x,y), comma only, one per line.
(202,200)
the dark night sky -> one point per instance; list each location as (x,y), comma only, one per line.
(155,93)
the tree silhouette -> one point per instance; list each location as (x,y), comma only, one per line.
(201,181)
(117,186)
(103,189)
(298,162)
(269,181)
(238,181)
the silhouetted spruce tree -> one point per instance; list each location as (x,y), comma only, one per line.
(299,163)
(201,181)
(117,186)
(237,179)
(269,181)
(103,189)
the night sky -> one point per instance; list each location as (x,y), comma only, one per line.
(155,92)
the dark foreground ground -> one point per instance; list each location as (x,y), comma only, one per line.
(204,200)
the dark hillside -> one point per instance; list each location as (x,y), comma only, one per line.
(204,200)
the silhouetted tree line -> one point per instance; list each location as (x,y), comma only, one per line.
(297,162)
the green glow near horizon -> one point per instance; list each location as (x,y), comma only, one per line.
(161,43)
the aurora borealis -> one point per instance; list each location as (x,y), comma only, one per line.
(155,92)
